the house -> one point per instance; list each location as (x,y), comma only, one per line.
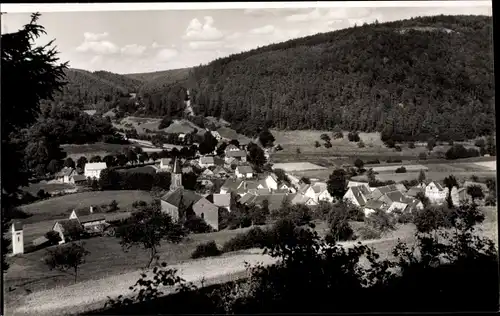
(285,186)
(206,161)
(165,164)
(244,172)
(245,198)
(207,173)
(182,203)
(65,175)
(93,170)
(299,198)
(271,181)
(275,201)
(223,200)
(226,134)
(244,141)
(91,222)
(377,192)
(372,206)
(206,182)
(17,238)
(228,162)
(459,196)
(78,179)
(231,147)
(216,135)
(66,228)
(436,193)
(231,185)
(293,179)
(393,196)
(325,196)
(220,171)
(315,190)
(357,195)
(238,155)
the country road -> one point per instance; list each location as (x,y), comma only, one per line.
(91,295)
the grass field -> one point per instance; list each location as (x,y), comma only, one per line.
(143,169)
(297,166)
(89,150)
(492,165)
(56,208)
(33,188)
(393,168)
(431,175)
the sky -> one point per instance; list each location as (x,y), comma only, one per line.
(154,40)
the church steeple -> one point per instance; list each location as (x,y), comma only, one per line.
(176,176)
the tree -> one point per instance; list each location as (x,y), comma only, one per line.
(95,159)
(411,145)
(110,179)
(54,166)
(298,151)
(337,183)
(450,182)
(266,138)
(256,155)
(422,198)
(109,160)
(382,221)
(53,237)
(208,144)
(113,206)
(165,122)
(431,143)
(36,69)
(67,257)
(317,144)
(235,142)
(131,156)
(480,143)
(337,133)
(325,138)
(491,147)
(475,192)
(222,147)
(80,163)
(69,163)
(189,180)
(421,177)
(338,223)
(370,175)
(147,228)
(154,156)
(359,163)
(121,159)
(305,180)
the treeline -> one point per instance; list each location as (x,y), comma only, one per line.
(421,83)
(114,180)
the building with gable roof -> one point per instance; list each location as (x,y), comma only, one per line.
(93,169)
(436,193)
(357,195)
(244,172)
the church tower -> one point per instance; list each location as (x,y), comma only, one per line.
(176,176)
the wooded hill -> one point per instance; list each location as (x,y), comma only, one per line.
(418,78)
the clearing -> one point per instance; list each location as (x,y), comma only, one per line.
(90,150)
(56,208)
(33,188)
(492,165)
(297,166)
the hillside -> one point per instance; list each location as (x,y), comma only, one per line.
(424,76)
(97,90)
(167,76)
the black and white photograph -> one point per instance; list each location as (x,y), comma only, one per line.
(248,158)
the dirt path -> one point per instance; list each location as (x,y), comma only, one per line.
(93,294)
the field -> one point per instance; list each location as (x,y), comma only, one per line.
(56,208)
(492,165)
(297,166)
(393,168)
(33,188)
(143,169)
(142,123)
(89,150)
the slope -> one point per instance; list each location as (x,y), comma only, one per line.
(422,77)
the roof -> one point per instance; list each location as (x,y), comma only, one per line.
(95,166)
(303,188)
(219,170)
(358,194)
(79,177)
(165,161)
(299,198)
(39,241)
(374,205)
(253,184)
(281,191)
(188,197)
(396,196)
(95,217)
(243,140)
(232,184)
(356,183)
(438,185)
(319,187)
(65,172)
(244,169)
(231,147)
(207,160)
(227,133)
(82,212)
(387,188)
(177,168)
(247,197)
(230,160)
(401,187)
(207,172)
(414,191)
(17,226)
(275,200)
(236,153)
(69,224)
(263,191)
(222,199)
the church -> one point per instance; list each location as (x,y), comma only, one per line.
(180,203)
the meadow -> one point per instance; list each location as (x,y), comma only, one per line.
(297,166)
(143,169)
(56,208)
(33,188)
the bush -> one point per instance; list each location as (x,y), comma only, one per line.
(403,217)
(401,170)
(197,225)
(208,249)
(353,137)
(397,148)
(373,162)
(422,156)
(328,145)
(459,151)
(381,221)
(254,238)
(411,145)
(361,144)
(366,232)
(53,237)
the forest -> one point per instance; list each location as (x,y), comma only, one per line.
(418,78)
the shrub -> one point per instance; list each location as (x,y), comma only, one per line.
(373,162)
(401,170)
(402,217)
(422,156)
(353,137)
(397,148)
(328,145)
(197,225)
(317,144)
(459,151)
(53,237)
(208,249)
(368,232)
(278,147)
(491,200)
(254,238)
(411,145)
(381,221)
(361,144)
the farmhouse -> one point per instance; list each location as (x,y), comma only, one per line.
(357,195)
(299,198)
(231,185)
(222,200)
(357,183)
(225,134)
(238,155)
(65,175)
(67,229)
(181,204)
(244,172)
(165,164)
(318,191)
(436,193)
(206,161)
(93,170)
(91,222)
(78,179)
(372,206)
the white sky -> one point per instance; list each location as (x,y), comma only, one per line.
(158,38)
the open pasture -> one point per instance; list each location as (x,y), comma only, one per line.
(33,188)
(56,208)
(297,166)
(492,165)
(409,168)
(431,175)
